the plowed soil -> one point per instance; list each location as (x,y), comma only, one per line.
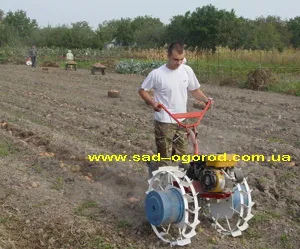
(52,197)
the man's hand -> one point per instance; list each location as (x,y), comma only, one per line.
(211,102)
(156,106)
(199,95)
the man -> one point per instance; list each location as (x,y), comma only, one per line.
(170,83)
(70,61)
(33,55)
(69,56)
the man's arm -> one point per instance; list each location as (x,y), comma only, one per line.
(199,95)
(149,100)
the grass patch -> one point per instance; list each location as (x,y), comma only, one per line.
(253,233)
(287,175)
(292,88)
(297,144)
(100,243)
(6,148)
(4,220)
(212,240)
(286,241)
(214,71)
(37,167)
(236,67)
(3,150)
(139,168)
(123,224)
(275,140)
(132,130)
(58,183)
(3,59)
(266,216)
(81,209)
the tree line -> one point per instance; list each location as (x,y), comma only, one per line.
(205,28)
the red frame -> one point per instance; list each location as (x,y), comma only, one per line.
(198,115)
(193,134)
(188,115)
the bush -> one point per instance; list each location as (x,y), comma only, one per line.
(260,79)
(137,67)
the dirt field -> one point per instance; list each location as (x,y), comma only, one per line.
(52,197)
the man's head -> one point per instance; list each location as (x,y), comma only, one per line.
(176,55)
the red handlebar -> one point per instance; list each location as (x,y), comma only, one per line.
(187,115)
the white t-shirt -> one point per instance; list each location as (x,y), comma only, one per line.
(171,89)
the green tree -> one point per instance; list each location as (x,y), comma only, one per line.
(246,34)
(208,27)
(97,41)
(294,29)
(119,30)
(177,29)
(80,35)
(53,36)
(124,33)
(271,33)
(22,25)
(8,35)
(148,32)
(108,30)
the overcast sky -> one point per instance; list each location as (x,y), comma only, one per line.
(57,12)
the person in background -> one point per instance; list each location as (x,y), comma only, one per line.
(69,56)
(70,63)
(33,55)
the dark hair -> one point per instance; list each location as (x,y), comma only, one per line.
(178,46)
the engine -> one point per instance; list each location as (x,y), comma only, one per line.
(214,178)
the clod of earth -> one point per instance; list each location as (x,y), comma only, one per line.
(50,64)
(99,65)
(35,184)
(76,168)
(113,94)
(133,200)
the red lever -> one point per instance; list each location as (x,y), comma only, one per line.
(188,115)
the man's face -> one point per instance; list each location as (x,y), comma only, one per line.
(175,59)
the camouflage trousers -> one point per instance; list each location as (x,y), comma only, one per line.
(171,139)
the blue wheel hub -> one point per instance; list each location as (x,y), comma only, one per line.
(236,199)
(164,207)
